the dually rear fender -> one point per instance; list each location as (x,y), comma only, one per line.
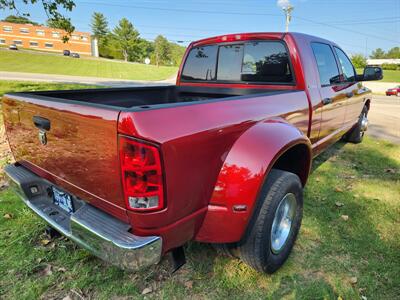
(261,148)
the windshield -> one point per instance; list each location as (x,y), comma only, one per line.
(258,62)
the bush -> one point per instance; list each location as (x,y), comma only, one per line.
(359,61)
(390,67)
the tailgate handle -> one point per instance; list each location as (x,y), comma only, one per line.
(41,123)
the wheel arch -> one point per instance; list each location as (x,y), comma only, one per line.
(267,145)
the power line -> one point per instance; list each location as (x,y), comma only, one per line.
(345,29)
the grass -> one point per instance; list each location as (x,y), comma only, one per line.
(388,75)
(21,86)
(30,62)
(329,253)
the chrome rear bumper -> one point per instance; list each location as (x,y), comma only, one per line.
(100,233)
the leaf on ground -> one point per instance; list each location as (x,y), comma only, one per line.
(353,280)
(339,204)
(45,242)
(345,217)
(338,190)
(62,270)
(189,284)
(8,216)
(46,271)
(390,170)
(3,185)
(146,291)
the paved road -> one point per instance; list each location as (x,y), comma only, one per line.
(384,118)
(79,79)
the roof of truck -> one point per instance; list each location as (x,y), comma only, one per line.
(225,38)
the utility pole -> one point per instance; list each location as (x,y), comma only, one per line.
(288,13)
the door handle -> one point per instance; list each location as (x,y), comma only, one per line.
(41,123)
(349,95)
(326,101)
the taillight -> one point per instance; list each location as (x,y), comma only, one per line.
(141,175)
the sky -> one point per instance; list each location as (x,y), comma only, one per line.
(359,26)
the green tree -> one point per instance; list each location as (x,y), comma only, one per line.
(378,53)
(51,7)
(145,49)
(126,37)
(359,61)
(19,20)
(162,51)
(99,25)
(393,53)
(177,52)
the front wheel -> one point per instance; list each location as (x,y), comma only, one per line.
(356,135)
(275,224)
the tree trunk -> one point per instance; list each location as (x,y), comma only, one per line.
(125,54)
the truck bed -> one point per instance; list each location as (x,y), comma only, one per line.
(132,97)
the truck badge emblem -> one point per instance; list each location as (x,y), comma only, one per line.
(42,137)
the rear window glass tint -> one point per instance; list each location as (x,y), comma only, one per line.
(230,62)
(200,64)
(266,62)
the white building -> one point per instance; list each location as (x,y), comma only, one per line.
(379,62)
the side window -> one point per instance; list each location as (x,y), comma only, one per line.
(327,67)
(346,65)
(201,64)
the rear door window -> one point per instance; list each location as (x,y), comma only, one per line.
(200,64)
(326,63)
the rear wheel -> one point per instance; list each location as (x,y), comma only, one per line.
(356,135)
(275,224)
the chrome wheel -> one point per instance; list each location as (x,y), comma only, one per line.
(282,224)
(363,124)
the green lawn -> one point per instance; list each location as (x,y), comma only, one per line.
(18,61)
(333,258)
(22,86)
(388,75)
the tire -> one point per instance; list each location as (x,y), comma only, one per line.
(257,248)
(356,135)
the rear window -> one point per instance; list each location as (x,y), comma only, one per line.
(258,62)
(200,64)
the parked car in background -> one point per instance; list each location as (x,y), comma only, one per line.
(13,47)
(393,91)
(75,55)
(66,53)
(221,157)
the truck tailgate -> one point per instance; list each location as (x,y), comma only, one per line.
(81,152)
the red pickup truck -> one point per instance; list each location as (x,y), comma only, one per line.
(221,157)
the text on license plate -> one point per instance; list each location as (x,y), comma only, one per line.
(63,200)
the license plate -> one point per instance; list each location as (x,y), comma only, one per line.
(63,200)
